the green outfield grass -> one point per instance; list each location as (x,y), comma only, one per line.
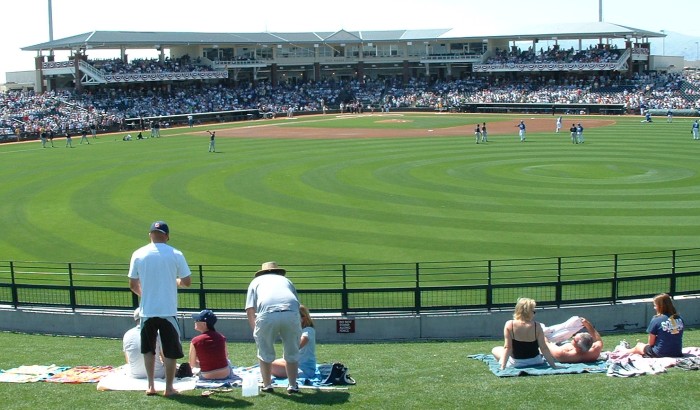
(631,187)
(421,375)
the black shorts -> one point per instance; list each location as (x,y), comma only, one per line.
(169,337)
(649,352)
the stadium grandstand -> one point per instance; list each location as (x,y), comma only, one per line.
(594,68)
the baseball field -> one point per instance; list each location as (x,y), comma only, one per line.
(371,188)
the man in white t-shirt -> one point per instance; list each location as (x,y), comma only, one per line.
(156,271)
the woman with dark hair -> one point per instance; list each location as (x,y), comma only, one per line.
(665,331)
(208,350)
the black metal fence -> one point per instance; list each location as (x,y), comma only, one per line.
(356,288)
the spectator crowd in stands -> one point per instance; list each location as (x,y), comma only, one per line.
(149,66)
(107,107)
(555,54)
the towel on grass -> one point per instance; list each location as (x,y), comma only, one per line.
(30,373)
(316,382)
(599,366)
(619,355)
(120,379)
(80,374)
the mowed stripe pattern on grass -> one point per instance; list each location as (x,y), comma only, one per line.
(631,187)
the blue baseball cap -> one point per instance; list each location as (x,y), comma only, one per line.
(160,226)
(206,316)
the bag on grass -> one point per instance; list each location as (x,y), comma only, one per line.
(339,376)
(184,370)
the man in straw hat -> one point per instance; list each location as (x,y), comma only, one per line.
(272,307)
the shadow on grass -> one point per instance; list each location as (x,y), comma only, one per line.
(234,400)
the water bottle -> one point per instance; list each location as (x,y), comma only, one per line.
(250,385)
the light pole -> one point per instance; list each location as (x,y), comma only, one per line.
(663,42)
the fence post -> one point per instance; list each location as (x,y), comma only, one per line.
(15,296)
(344,294)
(489,288)
(613,297)
(558,292)
(673,272)
(417,292)
(70,283)
(202,294)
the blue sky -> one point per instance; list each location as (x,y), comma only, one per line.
(26,22)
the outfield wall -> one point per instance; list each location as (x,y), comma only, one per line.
(622,317)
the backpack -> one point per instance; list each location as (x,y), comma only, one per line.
(184,370)
(339,376)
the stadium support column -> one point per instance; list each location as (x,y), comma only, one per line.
(630,68)
(361,72)
(274,80)
(317,71)
(406,72)
(50,81)
(76,64)
(39,78)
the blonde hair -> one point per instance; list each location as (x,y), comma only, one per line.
(306,320)
(524,309)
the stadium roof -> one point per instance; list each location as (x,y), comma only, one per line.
(560,31)
(149,39)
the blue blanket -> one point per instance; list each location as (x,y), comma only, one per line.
(322,371)
(599,366)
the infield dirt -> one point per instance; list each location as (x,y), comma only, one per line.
(271,130)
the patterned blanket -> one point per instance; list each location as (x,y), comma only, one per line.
(31,373)
(80,374)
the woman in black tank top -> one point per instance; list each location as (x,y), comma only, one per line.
(524,343)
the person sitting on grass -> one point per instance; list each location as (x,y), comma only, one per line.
(208,351)
(524,339)
(307,349)
(665,332)
(131,344)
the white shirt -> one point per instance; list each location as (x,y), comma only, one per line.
(157,266)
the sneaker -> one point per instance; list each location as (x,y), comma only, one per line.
(293,389)
(267,389)
(688,363)
(623,344)
(617,370)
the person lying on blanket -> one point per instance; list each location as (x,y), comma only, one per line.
(307,349)
(583,347)
(208,350)
(525,344)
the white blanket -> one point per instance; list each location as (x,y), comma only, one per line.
(119,379)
